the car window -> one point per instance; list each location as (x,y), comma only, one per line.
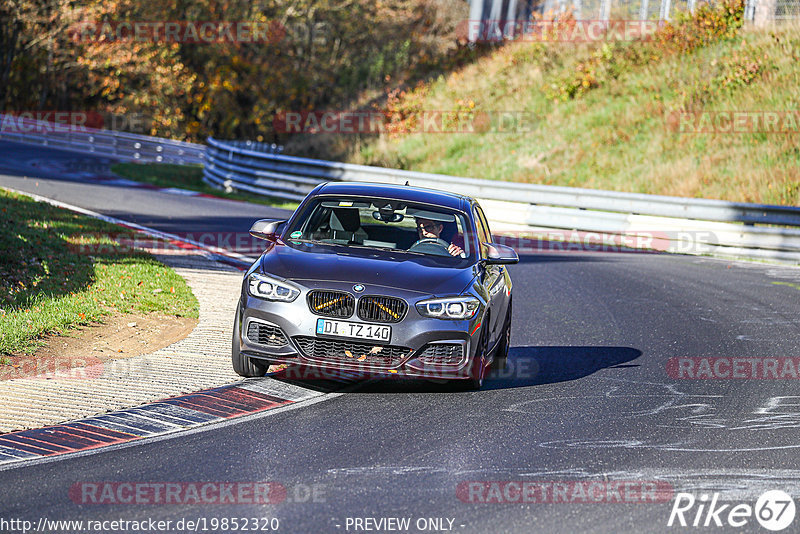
(383,224)
(483,230)
(485,224)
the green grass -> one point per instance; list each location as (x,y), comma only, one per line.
(189,177)
(60,270)
(789,284)
(616,135)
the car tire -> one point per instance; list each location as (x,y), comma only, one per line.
(501,351)
(478,369)
(243,365)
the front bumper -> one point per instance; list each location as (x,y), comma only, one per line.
(415,334)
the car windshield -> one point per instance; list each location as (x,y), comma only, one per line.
(384,224)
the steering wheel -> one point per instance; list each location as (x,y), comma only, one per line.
(430,245)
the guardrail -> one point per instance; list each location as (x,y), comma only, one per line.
(699,226)
(120,145)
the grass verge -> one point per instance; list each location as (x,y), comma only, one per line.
(189,177)
(604,113)
(60,270)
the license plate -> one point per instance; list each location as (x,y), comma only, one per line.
(372,332)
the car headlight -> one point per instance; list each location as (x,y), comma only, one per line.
(449,308)
(264,287)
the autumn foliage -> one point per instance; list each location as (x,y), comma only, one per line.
(329,52)
(683,35)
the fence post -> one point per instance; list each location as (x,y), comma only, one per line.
(577,9)
(749,10)
(665,9)
(605,10)
(511,18)
(764,12)
(475,20)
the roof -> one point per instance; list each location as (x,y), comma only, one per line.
(399,192)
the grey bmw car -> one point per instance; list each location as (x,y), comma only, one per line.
(383,279)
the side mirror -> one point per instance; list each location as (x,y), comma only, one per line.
(501,254)
(266,229)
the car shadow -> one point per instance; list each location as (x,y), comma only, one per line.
(537,365)
(524,367)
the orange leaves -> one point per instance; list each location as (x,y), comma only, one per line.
(190,91)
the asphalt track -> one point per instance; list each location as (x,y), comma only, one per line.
(584,396)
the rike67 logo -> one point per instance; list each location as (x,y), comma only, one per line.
(774,510)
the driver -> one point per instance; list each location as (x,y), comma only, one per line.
(429,229)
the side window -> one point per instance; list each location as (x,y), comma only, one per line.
(485,222)
(483,230)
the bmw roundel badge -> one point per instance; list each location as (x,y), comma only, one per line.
(358,288)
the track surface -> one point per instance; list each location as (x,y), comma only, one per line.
(585,395)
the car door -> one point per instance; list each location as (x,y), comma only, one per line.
(493,279)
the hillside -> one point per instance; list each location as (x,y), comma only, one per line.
(604,115)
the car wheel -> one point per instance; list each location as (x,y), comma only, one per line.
(243,365)
(501,352)
(478,370)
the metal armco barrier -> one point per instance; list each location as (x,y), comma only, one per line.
(120,145)
(698,226)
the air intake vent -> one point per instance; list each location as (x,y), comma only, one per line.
(381,309)
(354,353)
(442,354)
(331,303)
(265,334)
